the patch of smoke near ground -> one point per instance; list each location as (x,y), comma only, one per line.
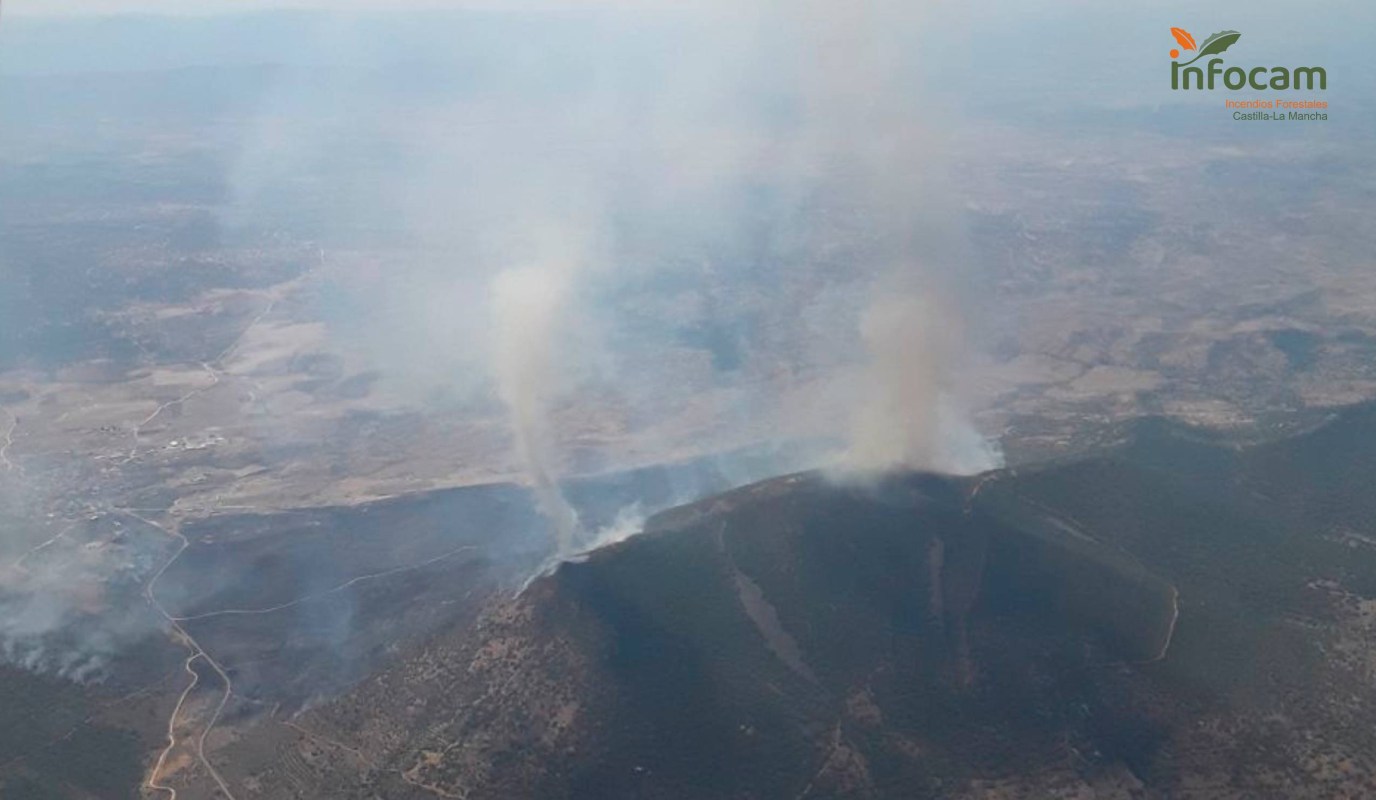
(69,585)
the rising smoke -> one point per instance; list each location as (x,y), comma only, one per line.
(857,140)
(526,307)
(898,415)
(869,136)
(775,241)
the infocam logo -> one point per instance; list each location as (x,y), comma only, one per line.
(1184,76)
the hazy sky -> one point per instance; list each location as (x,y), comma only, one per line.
(201,7)
(192,7)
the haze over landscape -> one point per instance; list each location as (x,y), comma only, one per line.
(658,400)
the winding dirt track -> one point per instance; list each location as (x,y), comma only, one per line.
(179,632)
(196,652)
(40,547)
(1170,631)
(315,595)
(138,429)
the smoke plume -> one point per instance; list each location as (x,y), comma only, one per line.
(869,140)
(526,306)
(898,416)
(777,257)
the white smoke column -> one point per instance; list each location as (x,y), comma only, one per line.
(906,416)
(868,137)
(526,305)
(897,411)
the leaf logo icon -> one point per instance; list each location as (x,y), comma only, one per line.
(1183,36)
(1212,46)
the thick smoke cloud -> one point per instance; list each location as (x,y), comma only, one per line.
(625,234)
(854,137)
